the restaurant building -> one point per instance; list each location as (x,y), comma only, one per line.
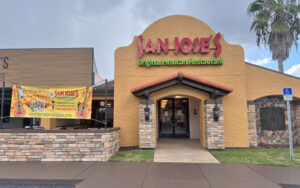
(181,79)
(178,79)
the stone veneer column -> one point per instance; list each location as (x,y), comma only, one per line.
(146,128)
(214,130)
(297,116)
(252,123)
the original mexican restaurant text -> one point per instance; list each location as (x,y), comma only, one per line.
(191,61)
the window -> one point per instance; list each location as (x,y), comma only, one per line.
(98,112)
(272,118)
(6,111)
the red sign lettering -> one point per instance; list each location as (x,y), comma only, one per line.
(185,45)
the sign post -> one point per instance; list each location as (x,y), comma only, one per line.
(287,95)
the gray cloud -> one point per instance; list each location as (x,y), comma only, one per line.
(227,17)
(96,7)
(107,25)
(35,24)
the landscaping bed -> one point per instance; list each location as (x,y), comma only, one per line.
(263,156)
(137,155)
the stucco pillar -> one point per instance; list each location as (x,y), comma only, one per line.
(146,128)
(252,123)
(48,123)
(214,130)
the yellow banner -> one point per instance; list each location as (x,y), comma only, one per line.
(51,102)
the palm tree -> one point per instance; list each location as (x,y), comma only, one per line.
(277,25)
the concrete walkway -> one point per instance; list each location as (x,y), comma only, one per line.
(182,150)
(148,175)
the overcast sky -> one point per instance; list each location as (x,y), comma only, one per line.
(108,24)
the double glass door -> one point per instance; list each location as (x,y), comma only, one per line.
(173,118)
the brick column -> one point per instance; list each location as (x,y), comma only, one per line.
(214,130)
(146,128)
(252,123)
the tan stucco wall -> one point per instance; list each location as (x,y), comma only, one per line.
(262,82)
(194,119)
(129,75)
(48,123)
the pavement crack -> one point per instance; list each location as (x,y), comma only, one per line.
(260,173)
(92,165)
(204,175)
(148,166)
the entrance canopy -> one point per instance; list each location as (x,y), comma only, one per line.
(214,89)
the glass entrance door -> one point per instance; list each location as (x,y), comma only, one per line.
(173,118)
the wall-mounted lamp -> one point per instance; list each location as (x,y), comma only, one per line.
(147,109)
(216,111)
(147,113)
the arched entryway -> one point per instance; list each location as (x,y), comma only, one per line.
(182,109)
(210,95)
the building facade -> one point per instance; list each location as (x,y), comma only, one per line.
(178,79)
(181,79)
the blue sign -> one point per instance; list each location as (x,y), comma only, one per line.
(287,91)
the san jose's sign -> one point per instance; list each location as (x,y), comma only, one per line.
(185,45)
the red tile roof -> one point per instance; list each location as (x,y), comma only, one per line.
(187,76)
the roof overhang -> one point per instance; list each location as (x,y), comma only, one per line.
(211,88)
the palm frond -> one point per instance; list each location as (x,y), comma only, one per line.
(254,7)
(279,26)
(276,23)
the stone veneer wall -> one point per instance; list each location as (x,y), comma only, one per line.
(146,128)
(214,130)
(59,145)
(278,136)
(297,117)
(252,124)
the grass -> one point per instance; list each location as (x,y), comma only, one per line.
(139,155)
(270,156)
